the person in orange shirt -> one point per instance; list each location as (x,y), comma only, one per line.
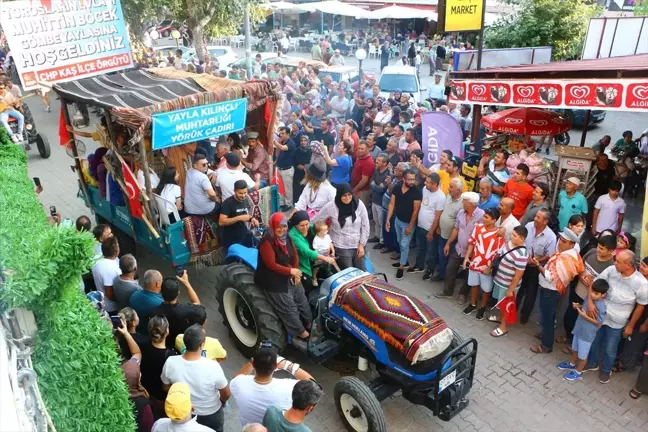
(519,190)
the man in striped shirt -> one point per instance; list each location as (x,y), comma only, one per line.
(509,273)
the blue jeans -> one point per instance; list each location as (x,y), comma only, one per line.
(548,305)
(403,239)
(443,260)
(389,237)
(4,119)
(426,252)
(606,340)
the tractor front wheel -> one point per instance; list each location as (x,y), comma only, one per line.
(246,311)
(358,406)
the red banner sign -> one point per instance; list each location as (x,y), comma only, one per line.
(623,95)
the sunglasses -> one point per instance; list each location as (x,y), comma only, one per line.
(316,383)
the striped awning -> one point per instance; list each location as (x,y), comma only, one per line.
(131,90)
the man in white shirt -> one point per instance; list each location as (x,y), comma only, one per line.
(427,240)
(204,377)
(507,221)
(226,177)
(437,90)
(104,272)
(200,198)
(337,59)
(255,393)
(339,105)
(609,210)
(177,407)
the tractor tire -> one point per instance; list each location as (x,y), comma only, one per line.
(358,406)
(42,143)
(563,138)
(456,341)
(246,312)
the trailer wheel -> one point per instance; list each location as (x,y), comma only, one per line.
(246,312)
(358,406)
(43,146)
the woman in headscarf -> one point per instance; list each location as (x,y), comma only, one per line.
(348,223)
(385,115)
(297,130)
(301,235)
(278,274)
(303,156)
(316,192)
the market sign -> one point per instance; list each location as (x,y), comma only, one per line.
(198,123)
(54,41)
(622,95)
(440,132)
(463,15)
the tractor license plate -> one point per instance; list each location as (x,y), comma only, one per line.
(447,381)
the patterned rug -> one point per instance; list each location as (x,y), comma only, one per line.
(403,321)
(262,204)
(202,241)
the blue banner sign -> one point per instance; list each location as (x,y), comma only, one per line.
(198,123)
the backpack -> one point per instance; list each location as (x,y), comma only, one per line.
(498,260)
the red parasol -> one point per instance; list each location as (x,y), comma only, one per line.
(527,121)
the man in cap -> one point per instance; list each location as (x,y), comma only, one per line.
(437,90)
(469,216)
(257,159)
(570,202)
(337,59)
(235,218)
(226,177)
(554,283)
(177,407)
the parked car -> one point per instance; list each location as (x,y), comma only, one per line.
(224,55)
(402,78)
(266,58)
(349,74)
(577,116)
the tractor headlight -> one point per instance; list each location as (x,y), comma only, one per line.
(29,126)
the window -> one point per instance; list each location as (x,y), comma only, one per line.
(393,82)
(217,52)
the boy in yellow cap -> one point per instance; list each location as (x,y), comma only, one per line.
(178,408)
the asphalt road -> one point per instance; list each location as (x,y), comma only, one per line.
(514,389)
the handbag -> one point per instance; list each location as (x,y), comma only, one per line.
(498,260)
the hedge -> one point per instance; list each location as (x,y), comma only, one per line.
(75,356)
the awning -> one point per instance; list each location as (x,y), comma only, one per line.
(283,6)
(135,89)
(402,12)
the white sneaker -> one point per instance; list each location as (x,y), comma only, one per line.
(14,138)
(19,137)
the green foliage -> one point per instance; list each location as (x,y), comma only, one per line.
(561,24)
(640,8)
(75,355)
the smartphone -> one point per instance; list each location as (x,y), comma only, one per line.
(53,211)
(37,182)
(179,271)
(116,321)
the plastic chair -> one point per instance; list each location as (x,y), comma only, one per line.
(163,215)
(373,51)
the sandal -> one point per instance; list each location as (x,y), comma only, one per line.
(384,250)
(566,350)
(562,340)
(538,336)
(494,319)
(539,349)
(394,257)
(618,367)
(635,394)
(498,333)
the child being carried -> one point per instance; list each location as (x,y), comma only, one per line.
(323,245)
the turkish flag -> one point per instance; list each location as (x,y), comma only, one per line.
(64,136)
(276,179)
(133,191)
(508,308)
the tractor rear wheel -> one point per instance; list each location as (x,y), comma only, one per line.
(358,406)
(43,146)
(246,312)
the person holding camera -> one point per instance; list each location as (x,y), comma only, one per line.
(254,393)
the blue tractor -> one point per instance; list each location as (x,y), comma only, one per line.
(441,383)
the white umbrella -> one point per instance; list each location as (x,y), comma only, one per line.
(335,7)
(283,6)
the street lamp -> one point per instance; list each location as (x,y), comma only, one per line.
(360,54)
(175,34)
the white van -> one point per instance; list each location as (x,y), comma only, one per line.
(402,78)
